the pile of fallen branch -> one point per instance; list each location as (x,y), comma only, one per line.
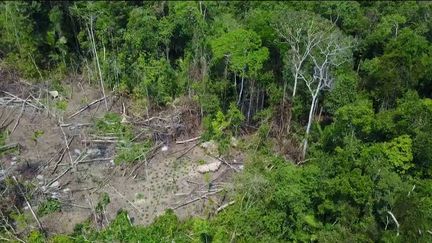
(178,122)
(13,100)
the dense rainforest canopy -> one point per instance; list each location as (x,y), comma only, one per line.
(335,96)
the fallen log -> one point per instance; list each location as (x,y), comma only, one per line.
(9,146)
(87,106)
(188,140)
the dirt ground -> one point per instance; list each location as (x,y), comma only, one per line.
(80,175)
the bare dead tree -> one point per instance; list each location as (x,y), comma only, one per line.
(301,35)
(332,51)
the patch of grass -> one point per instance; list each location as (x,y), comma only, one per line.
(207,177)
(130,152)
(111,124)
(19,218)
(103,202)
(61,105)
(6,151)
(201,162)
(140,196)
(49,206)
(3,137)
(37,134)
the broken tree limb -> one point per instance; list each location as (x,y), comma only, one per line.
(9,146)
(395,220)
(196,199)
(224,206)
(21,100)
(62,153)
(188,140)
(59,176)
(225,162)
(28,204)
(122,196)
(87,106)
(98,141)
(19,116)
(187,151)
(76,125)
(94,160)
(66,144)
(150,154)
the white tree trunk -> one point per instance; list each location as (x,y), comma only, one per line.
(308,127)
(241,90)
(97,61)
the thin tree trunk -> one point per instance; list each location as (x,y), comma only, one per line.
(97,61)
(257,100)
(241,89)
(308,127)
(250,101)
(295,82)
(284,93)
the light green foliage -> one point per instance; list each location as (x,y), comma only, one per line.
(243,50)
(127,150)
(111,124)
(223,126)
(399,152)
(129,153)
(17,39)
(61,105)
(37,134)
(36,237)
(48,206)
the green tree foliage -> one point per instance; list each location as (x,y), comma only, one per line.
(362,75)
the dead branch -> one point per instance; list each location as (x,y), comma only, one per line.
(98,141)
(224,206)
(21,100)
(395,220)
(225,162)
(28,204)
(67,145)
(9,146)
(19,116)
(188,140)
(151,153)
(88,106)
(59,176)
(188,150)
(94,160)
(76,205)
(76,125)
(196,199)
(122,196)
(61,156)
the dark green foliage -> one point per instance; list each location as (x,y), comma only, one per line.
(103,202)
